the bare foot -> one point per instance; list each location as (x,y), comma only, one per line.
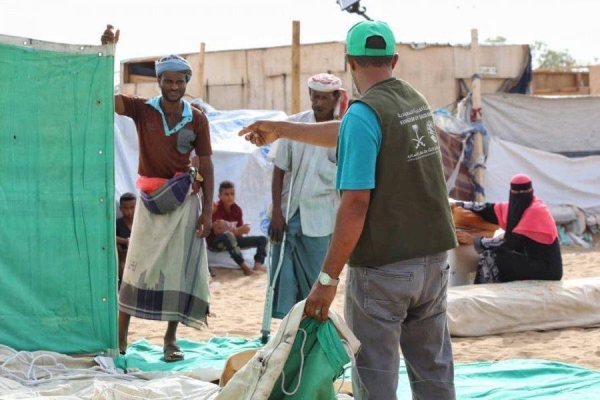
(246,269)
(259,267)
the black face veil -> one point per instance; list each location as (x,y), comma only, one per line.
(521,196)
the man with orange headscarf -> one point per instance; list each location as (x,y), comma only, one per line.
(307,174)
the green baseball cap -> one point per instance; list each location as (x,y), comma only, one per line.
(357,39)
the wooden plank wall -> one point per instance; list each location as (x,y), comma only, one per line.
(560,82)
(594,79)
(261,78)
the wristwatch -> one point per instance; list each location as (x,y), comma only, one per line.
(326,280)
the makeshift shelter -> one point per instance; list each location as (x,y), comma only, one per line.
(456,146)
(261,78)
(554,140)
(58,263)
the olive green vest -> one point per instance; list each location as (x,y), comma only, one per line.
(409,215)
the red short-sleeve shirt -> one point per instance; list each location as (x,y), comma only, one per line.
(234,215)
(161,156)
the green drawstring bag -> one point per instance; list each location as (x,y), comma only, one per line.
(316,360)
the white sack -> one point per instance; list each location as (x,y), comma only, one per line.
(492,309)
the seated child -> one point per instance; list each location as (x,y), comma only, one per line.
(229,229)
(124,224)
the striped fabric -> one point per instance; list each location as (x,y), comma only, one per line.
(451,147)
(166,271)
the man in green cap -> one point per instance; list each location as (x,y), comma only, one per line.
(393,225)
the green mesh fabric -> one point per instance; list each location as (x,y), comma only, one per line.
(57,220)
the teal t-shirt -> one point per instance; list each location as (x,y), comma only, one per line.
(358,146)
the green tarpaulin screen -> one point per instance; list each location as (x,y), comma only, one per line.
(57,222)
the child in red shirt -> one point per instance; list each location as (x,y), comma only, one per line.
(229,229)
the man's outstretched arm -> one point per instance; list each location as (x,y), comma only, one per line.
(110,37)
(324,134)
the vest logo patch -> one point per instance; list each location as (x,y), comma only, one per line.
(424,141)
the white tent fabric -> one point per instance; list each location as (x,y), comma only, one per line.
(491,309)
(553,124)
(53,375)
(126,156)
(49,374)
(234,159)
(556,179)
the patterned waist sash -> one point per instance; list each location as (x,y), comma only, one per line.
(169,196)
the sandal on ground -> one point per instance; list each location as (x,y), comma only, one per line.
(172,353)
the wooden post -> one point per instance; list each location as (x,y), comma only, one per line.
(476,79)
(124,74)
(477,157)
(200,74)
(296,67)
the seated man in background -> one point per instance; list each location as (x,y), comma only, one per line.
(229,229)
(529,250)
(124,224)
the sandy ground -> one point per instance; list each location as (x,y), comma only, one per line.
(238,301)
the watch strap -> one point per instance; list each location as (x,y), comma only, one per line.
(331,281)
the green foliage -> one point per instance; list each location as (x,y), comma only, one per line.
(496,40)
(543,57)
